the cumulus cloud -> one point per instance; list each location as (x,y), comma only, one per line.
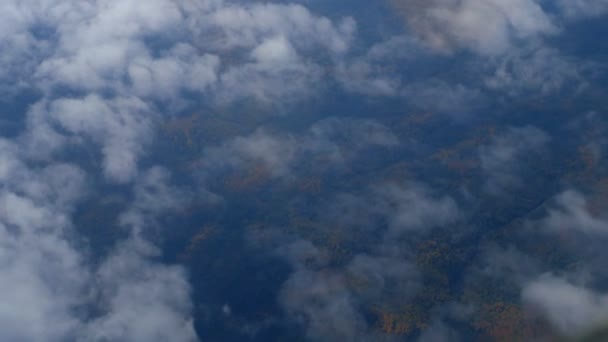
(331,301)
(571,308)
(539,70)
(439,332)
(573,301)
(124,57)
(141,300)
(572,214)
(153,194)
(43,279)
(455,99)
(501,158)
(43,276)
(414,208)
(104,73)
(47,283)
(179,69)
(326,307)
(280,44)
(250,26)
(576,9)
(363,77)
(333,140)
(121,126)
(137,298)
(488,27)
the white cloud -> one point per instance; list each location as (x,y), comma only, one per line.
(501,158)
(570,308)
(121,126)
(123,57)
(413,208)
(153,194)
(488,27)
(101,67)
(328,310)
(47,284)
(330,300)
(275,50)
(574,302)
(248,26)
(572,214)
(336,140)
(182,68)
(577,9)
(43,278)
(535,70)
(141,300)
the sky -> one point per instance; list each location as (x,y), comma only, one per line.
(312,88)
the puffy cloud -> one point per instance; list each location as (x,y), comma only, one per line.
(138,298)
(576,9)
(488,27)
(403,209)
(363,76)
(104,72)
(268,83)
(414,208)
(181,68)
(569,307)
(42,284)
(141,300)
(439,332)
(275,152)
(500,159)
(152,194)
(43,276)
(334,140)
(122,58)
(96,43)
(331,301)
(572,214)
(540,70)
(274,49)
(121,126)
(249,26)
(455,99)
(47,284)
(326,307)
(378,274)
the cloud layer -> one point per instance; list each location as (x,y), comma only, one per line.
(88,86)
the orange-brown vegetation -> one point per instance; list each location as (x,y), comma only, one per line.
(311,185)
(400,323)
(587,157)
(396,173)
(419,118)
(183,128)
(203,234)
(598,201)
(251,178)
(458,152)
(507,322)
(434,255)
(336,241)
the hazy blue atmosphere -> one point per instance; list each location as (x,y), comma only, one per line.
(306,170)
